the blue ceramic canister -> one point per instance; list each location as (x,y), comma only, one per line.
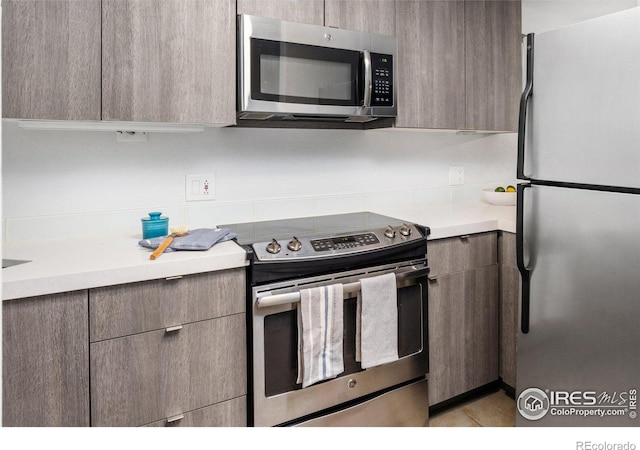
(154,225)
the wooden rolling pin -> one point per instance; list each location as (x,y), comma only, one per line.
(175,232)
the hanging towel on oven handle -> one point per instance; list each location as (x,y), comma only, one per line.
(377,321)
(320,334)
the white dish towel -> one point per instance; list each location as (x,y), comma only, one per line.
(320,334)
(377,321)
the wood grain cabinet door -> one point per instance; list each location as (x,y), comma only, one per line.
(493,64)
(303,11)
(462,253)
(133,308)
(510,289)
(169,61)
(147,377)
(431,84)
(370,16)
(231,413)
(51,59)
(45,361)
(463,332)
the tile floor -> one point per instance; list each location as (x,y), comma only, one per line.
(494,409)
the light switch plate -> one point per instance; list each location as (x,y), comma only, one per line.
(199,187)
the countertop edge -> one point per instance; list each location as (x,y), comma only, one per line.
(223,256)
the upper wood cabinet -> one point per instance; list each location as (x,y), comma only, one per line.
(431,84)
(120,60)
(493,64)
(51,59)
(304,11)
(372,16)
(459,64)
(169,61)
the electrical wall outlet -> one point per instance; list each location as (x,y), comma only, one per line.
(199,187)
(456,175)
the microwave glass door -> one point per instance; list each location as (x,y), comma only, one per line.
(307,74)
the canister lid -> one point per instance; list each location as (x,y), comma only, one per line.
(154,216)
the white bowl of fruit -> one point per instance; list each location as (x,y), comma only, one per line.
(500,195)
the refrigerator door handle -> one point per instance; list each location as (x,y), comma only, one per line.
(525,273)
(524,103)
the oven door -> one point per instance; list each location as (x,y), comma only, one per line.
(277,399)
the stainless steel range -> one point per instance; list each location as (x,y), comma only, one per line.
(289,256)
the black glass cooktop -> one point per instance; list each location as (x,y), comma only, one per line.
(316,226)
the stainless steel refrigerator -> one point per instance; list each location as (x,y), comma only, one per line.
(578,226)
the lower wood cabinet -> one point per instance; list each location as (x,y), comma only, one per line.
(232,413)
(139,379)
(45,361)
(160,352)
(463,314)
(169,351)
(463,332)
(509,308)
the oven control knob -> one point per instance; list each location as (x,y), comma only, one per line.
(351,383)
(294,245)
(390,232)
(405,230)
(273,247)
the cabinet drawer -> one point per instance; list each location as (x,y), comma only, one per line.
(462,253)
(151,305)
(139,379)
(232,413)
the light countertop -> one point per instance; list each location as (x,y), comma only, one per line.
(457,219)
(62,266)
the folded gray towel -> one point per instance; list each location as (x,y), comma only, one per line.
(320,330)
(199,239)
(377,321)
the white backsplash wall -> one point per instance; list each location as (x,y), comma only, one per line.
(59,184)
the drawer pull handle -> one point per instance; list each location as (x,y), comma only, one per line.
(177,277)
(174,328)
(464,237)
(175,418)
(432,279)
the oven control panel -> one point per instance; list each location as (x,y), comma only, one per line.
(294,248)
(337,243)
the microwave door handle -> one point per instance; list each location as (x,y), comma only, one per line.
(367,78)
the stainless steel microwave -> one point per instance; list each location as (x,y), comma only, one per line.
(288,70)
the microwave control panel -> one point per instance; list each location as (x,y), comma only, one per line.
(382,71)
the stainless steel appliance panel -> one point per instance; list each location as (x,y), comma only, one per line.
(584,256)
(277,31)
(402,407)
(583,121)
(289,403)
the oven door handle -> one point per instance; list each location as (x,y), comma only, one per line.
(269,300)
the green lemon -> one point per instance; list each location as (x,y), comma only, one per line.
(499,189)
